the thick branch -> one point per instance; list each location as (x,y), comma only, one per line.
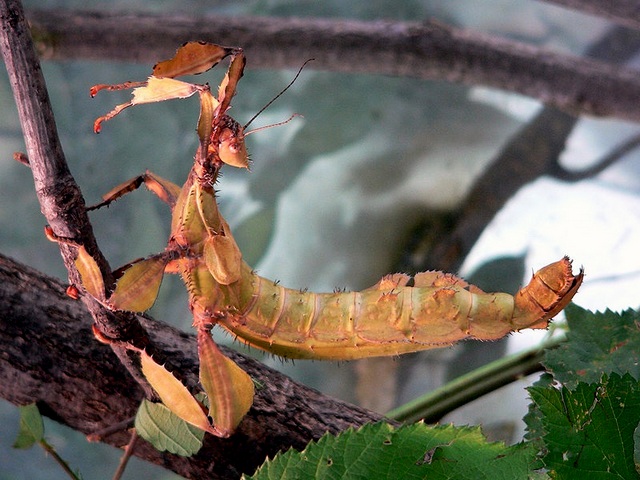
(429,51)
(49,356)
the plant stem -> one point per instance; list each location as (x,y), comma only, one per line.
(65,466)
(126,456)
(432,406)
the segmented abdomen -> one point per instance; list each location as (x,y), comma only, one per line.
(390,317)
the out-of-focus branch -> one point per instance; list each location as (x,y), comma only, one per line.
(421,50)
(531,153)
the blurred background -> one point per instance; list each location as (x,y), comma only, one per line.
(340,196)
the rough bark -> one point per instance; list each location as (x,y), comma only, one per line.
(49,356)
(60,198)
(421,50)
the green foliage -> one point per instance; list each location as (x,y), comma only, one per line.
(166,431)
(414,451)
(586,427)
(588,431)
(31,432)
(31,427)
(584,422)
(598,343)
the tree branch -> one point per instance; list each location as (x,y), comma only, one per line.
(60,198)
(49,357)
(530,154)
(421,50)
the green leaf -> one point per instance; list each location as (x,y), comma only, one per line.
(31,427)
(415,451)
(533,418)
(166,431)
(597,344)
(588,432)
(636,447)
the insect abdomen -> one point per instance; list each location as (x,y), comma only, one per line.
(391,317)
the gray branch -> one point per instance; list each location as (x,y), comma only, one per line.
(421,50)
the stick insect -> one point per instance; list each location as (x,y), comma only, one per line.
(398,314)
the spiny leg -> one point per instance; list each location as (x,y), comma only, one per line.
(164,189)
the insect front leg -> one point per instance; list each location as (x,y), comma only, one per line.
(164,189)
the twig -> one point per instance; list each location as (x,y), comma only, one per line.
(60,198)
(65,466)
(420,50)
(561,173)
(128,452)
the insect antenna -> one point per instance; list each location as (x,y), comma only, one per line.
(259,129)
(278,96)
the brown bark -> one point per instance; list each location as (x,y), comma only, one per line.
(421,50)
(49,356)
(60,198)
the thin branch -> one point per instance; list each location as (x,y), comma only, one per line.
(60,198)
(618,153)
(128,452)
(59,460)
(420,50)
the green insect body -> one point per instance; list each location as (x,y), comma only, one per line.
(388,318)
(397,315)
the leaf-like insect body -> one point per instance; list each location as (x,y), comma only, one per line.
(90,274)
(208,107)
(174,394)
(153,90)
(391,320)
(229,388)
(551,289)
(136,290)
(223,258)
(161,89)
(399,314)
(192,58)
(231,147)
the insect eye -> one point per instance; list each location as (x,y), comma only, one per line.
(232,149)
